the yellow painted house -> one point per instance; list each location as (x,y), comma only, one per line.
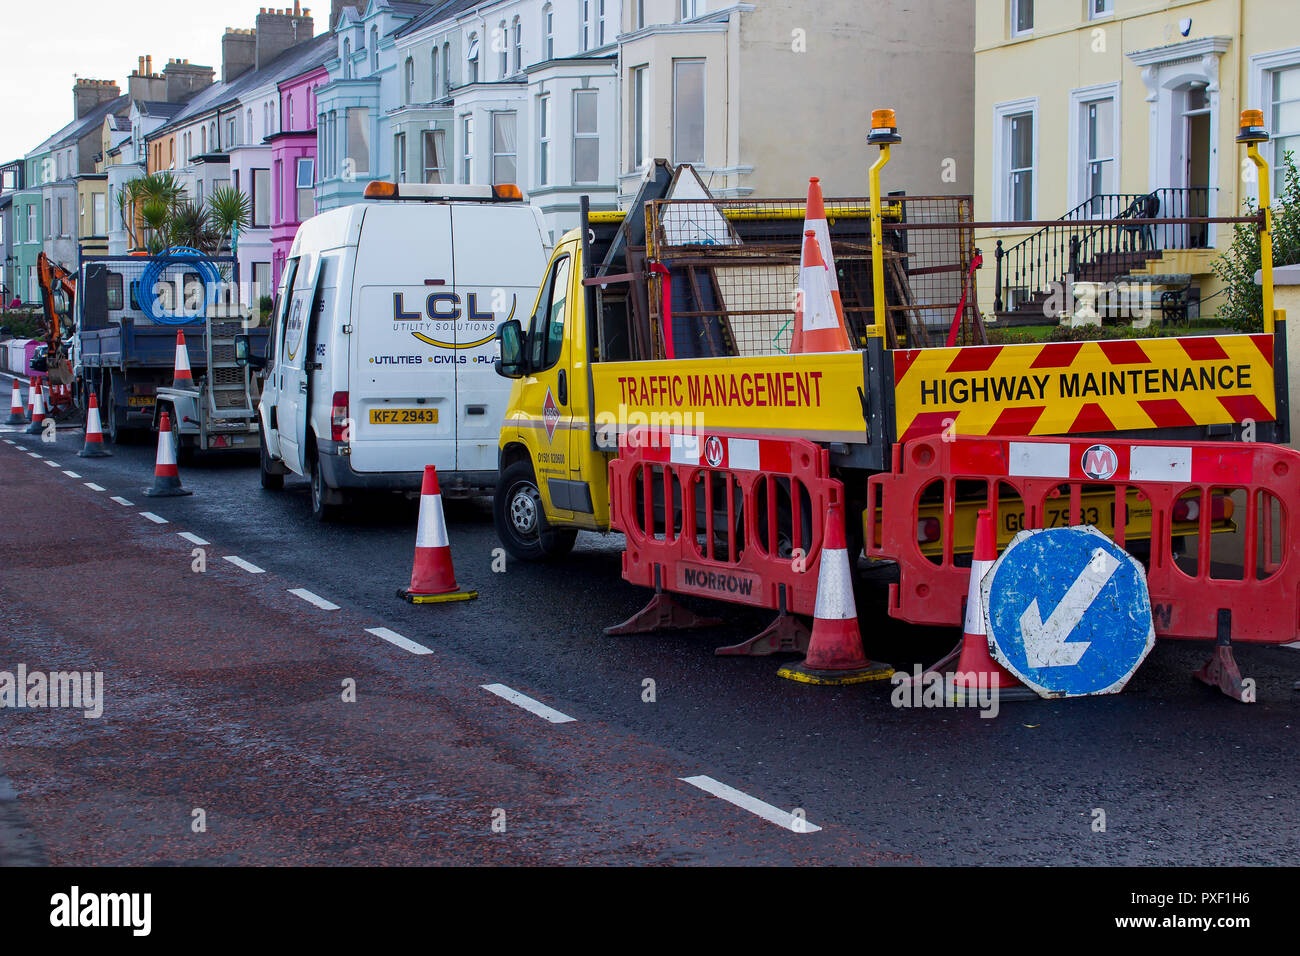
(1089,109)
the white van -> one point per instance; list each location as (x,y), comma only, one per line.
(383,338)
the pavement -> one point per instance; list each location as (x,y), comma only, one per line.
(225,686)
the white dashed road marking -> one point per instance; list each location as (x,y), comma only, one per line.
(156,519)
(71,474)
(392,637)
(32,454)
(121,501)
(191,537)
(753,805)
(52,464)
(311,598)
(94,487)
(527,703)
(241,563)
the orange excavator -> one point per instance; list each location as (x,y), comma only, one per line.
(58,295)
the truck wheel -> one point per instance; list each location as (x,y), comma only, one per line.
(323,498)
(521,521)
(271,481)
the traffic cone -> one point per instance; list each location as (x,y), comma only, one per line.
(181,377)
(815,219)
(817,325)
(433,579)
(975,665)
(94,447)
(835,652)
(32,388)
(16,416)
(166,477)
(38,412)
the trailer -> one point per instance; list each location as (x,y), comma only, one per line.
(129,312)
(657,394)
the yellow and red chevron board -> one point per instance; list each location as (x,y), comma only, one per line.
(1063,388)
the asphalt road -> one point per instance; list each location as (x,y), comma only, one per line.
(1184,775)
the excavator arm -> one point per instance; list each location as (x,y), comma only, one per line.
(58,295)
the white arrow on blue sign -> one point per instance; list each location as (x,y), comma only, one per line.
(1068,612)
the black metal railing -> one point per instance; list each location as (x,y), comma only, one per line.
(1078,246)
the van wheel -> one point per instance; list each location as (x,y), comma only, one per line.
(271,480)
(521,521)
(323,497)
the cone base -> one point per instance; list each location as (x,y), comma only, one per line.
(94,451)
(35,428)
(960,695)
(436,598)
(16,419)
(165,491)
(873,670)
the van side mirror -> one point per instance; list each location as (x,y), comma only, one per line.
(510,337)
(244,356)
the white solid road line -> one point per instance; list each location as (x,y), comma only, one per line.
(527,703)
(755,806)
(156,519)
(241,563)
(71,474)
(191,537)
(121,501)
(392,637)
(311,598)
(94,487)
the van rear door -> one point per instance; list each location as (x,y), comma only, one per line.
(500,258)
(291,404)
(402,392)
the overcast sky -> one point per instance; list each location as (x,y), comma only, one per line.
(44,45)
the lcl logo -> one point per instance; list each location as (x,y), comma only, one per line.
(1100,462)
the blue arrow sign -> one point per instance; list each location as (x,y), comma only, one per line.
(1068,612)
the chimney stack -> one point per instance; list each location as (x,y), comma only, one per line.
(238,53)
(278,30)
(183,79)
(144,84)
(87,94)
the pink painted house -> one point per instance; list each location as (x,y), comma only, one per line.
(293,163)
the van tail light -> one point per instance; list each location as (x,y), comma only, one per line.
(339,416)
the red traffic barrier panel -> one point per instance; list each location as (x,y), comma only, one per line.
(94,446)
(723,516)
(1166,502)
(835,654)
(433,578)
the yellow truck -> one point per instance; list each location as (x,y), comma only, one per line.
(673,319)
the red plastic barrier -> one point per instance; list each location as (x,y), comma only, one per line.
(724,516)
(1257,601)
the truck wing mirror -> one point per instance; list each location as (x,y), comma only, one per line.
(244,356)
(510,338)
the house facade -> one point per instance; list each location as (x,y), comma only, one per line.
(293,162)
(1117,106)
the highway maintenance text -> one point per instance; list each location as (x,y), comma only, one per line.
(1045,387)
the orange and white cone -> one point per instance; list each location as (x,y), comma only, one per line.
(835,653)
(16,414)
(181,377)
(38,412)
(433,579)
(33,387)
(94,447)
(166,476)
(817,324)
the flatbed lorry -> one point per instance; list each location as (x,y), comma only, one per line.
(594,384)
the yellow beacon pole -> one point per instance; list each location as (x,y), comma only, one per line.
(884,133)
(1252,134)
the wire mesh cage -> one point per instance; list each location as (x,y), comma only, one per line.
(732,269)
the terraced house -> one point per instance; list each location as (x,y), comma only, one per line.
(1124,108)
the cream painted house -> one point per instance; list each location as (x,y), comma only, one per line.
(1084,108)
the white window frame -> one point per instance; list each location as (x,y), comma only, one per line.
(493,117)
(1002,113)
(639,147)
(517,45)
(440,147)
(471,58)
(1108,9)
(1262,67)
(584,25)
(399,157)
(548,32)
(467,147)
(688,10)
(545,129)
(1079,101)
(703,61)
(408,81)
(504,29)
(1014,11)
(584,136)
(433,62)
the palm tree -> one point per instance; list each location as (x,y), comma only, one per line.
(150,201)
(229,211)
(190,225)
